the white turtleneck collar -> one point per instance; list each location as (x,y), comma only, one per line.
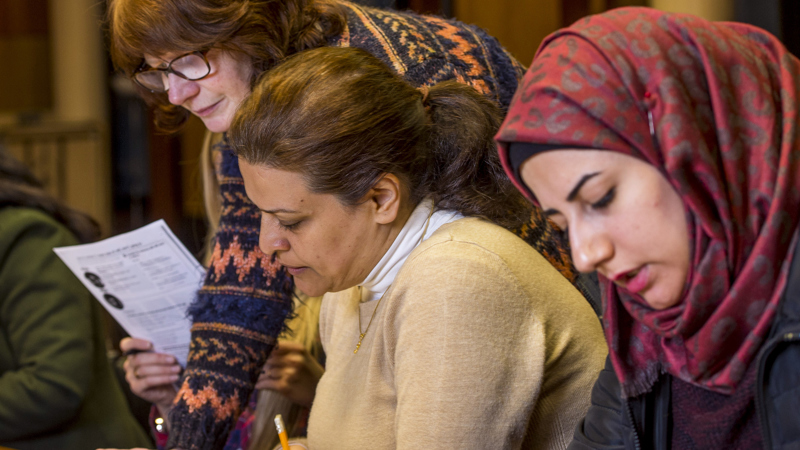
(383,274)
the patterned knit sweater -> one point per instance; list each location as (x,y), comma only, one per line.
(246,297)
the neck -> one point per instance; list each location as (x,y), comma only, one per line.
(387,237)
(418,225)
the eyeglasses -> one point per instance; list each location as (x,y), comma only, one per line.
(191,66)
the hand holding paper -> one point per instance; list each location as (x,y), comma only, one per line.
(145,279)
(151,375)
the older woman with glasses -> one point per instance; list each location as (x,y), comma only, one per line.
(201,57)
(211,95)
(191,66)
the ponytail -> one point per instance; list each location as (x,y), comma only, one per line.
(464,173)
(343,119)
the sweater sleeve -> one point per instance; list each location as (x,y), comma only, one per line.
(505,70)
(45,315)
(468,352)
(466,54)
(236,319)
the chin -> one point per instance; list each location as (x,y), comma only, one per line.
(310,290)
(659,301)
(214,125)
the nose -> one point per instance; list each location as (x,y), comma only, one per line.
(591,247)
(270,238)
(180,89)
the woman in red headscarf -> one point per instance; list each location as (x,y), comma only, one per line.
(667,148)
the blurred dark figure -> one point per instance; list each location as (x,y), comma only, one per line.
(57,388)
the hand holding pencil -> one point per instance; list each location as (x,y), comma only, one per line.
(284,437)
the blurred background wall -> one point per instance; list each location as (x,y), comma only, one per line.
(86,134)
(53,72)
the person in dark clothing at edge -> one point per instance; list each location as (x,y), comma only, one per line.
(677,153)
(57,387)
(201,57)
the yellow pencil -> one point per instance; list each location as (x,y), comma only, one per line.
(282,432)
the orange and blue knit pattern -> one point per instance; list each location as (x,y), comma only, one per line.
(428,49)
(246,298)
(237,316)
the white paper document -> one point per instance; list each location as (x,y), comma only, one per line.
(145,279)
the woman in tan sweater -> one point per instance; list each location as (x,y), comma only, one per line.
(442,328)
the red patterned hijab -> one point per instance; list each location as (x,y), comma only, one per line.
(714,106)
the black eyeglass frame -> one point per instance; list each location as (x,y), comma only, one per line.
(143,68)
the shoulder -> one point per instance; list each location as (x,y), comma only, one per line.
(467,239)
(473,248)
(389,20)
(27,239)
(475,258)
(414,45)
(30,223)
(491,244)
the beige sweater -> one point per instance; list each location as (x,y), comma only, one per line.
(479,343)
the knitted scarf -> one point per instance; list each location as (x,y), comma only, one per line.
(714,107)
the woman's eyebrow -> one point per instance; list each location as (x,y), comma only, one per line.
(159,62)
(574,192)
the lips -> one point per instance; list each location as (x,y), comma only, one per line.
(207,110)
(294,271)
(634,280)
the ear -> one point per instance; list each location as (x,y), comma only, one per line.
(387,199)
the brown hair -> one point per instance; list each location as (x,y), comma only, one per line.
(265,31)
(18,187)
(342,119)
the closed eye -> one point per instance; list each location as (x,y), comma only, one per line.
(606,200)
(289,226)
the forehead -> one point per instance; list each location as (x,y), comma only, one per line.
(273,189)
(563,165)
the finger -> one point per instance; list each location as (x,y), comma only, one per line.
(288,361)
(140,385)
(158,381)
(289,373)
(273,364)
(261,378)
(271,385)
(289,347)
(155,370)
(292,357)
(295,346)
(273,373)
(265,383)
(134,372)
(152,359)
(129,343)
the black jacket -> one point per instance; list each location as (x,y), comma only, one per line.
(643,422)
